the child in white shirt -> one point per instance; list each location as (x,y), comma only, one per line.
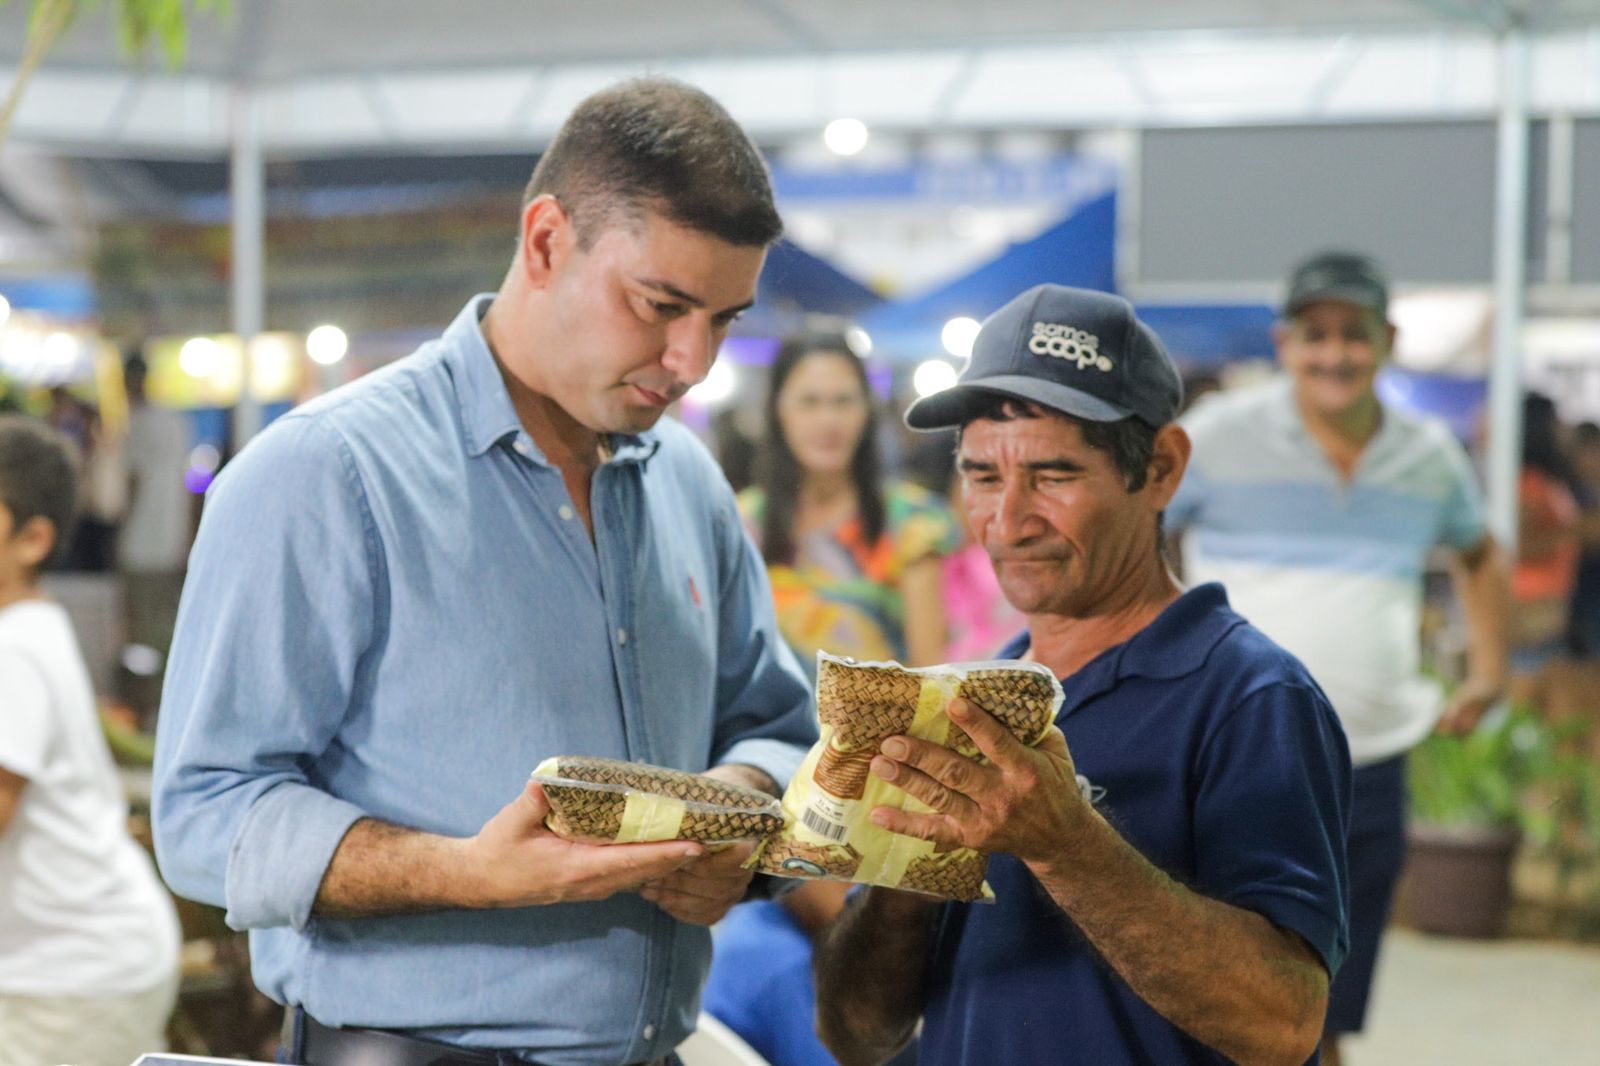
(88,935)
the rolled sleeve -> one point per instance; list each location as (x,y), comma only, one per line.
(277,614)
(282,851)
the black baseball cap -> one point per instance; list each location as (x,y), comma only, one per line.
(1078,351)
(1349,277)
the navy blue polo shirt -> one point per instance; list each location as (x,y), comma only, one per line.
(1223,764)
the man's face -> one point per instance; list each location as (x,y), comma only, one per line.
(1333,350)
(1059,525)
(637,319)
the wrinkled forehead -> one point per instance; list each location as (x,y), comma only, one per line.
(1034,433)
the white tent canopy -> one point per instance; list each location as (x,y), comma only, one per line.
(371,74)
(295,77)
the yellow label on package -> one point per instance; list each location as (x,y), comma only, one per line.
(828,832)
(650,817)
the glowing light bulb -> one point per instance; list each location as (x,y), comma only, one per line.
(933,376)
(845,136)
(327,345)
(958,335)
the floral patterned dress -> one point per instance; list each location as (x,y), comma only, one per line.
(841,594)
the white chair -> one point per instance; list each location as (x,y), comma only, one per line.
(714,1044)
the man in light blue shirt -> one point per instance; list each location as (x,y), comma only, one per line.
(406,594)
(1317,506)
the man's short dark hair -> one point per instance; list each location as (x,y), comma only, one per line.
(1129,441)
(38,476)
(657,145)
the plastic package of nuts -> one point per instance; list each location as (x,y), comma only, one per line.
(827,832)
(612,801)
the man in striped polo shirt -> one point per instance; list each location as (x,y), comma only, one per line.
(1317,506)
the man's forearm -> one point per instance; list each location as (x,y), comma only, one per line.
(871,973)
(381,869)
(1483,584)
(1224,975)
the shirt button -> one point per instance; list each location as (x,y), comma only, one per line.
(521,446)
(622,636)
(565,513)
(649,1032)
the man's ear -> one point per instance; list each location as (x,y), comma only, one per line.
(1169,458)
(34,541)
(547,239)
(1392,334)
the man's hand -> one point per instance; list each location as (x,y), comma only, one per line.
(1471,699)
(701,892)
(1025,802)
(516,861)
(704,890)
(738,773)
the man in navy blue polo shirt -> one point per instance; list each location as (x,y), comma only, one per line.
(1170,867)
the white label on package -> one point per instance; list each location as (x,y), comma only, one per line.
(827,816)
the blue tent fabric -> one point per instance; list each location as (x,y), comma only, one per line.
(1212,334)
(1460,401)
(1079,250)
(795,283)
(66,296)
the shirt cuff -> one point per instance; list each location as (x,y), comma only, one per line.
(282,851)
(1324,932)
(778,758)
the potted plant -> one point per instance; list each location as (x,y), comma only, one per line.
(1471,798)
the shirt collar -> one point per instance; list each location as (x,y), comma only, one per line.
(487,414)
(1175,644)
(1180,639)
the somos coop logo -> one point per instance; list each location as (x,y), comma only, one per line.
(1065,342)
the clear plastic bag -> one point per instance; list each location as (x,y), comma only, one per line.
(827,832)
(612,801)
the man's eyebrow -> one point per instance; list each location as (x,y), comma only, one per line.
(669,289)
(1059,466)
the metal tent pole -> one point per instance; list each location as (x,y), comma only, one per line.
(1504,446)
(247,182)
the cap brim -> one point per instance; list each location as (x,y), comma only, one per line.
(960,402)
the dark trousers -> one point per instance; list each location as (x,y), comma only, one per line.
(307,1042)
(1377,852)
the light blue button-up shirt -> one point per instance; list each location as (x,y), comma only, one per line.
(393,610)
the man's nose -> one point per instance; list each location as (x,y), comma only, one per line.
(1013,510)
(692,345)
